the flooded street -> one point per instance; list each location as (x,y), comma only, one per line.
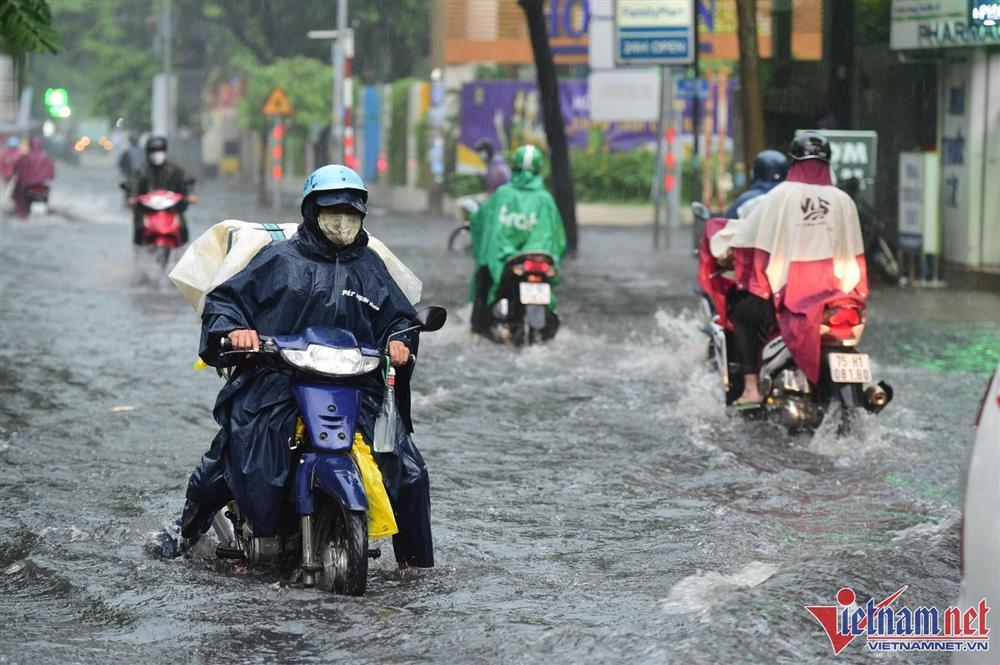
(592,499)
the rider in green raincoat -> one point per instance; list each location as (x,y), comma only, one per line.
(519,217)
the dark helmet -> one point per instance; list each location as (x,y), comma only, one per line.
(810,145)
(156,144)
(769,166)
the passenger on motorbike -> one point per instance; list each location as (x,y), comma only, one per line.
(520,217)
(158,173)
(769,168)
(324,276)
(799,249)
(32,168)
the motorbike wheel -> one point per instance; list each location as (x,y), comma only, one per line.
(162,258)
(460,240)
(342,541)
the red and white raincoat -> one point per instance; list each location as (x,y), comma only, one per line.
(801,245)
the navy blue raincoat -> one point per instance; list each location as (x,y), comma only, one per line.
(289,286)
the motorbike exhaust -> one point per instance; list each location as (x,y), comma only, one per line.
(877,397)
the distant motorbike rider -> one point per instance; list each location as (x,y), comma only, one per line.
(521,216)
(32,168)
(132,158)
(799,248)
(497,169)
(770,167)
(326,275)
(158,173)
(11,153)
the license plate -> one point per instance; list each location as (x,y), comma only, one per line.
(850,368)
(536,293)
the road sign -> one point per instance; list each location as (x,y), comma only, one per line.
(654,32)
(277,103)
(691,88)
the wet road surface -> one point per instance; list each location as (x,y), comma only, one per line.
(592,500)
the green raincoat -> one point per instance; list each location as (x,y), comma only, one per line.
(520,217)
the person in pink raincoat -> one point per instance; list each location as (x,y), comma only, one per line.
(32,168)
(800,249)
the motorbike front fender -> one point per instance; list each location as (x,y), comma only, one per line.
(336,476)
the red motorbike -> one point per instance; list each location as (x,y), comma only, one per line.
(161,222)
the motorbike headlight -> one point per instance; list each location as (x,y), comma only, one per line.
(330,361)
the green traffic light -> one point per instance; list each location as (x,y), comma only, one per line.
(56,97)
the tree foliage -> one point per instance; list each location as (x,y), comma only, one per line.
(308,84)
(26,26)
(107,61)
(391,38)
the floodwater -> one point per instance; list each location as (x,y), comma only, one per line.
(592,500)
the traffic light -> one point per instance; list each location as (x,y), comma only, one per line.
(57,101)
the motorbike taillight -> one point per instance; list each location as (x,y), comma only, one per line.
(842,326)
(536,267)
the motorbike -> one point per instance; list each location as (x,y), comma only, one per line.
(327,491)
(795,402)
(162,225)
(38,198)
(879,256)
(791,399)
(522,308)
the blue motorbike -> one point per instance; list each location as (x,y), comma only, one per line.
(328,491)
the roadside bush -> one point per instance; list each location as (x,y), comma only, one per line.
(613,177)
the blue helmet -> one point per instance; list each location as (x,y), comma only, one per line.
(331,185)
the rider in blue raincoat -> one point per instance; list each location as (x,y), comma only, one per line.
(326,275)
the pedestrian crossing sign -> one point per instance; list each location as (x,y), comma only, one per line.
(277,103)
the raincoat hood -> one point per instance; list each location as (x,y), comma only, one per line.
(527,180)
(810,171)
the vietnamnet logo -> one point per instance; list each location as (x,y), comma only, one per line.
(902,629)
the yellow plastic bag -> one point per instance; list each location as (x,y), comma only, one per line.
(381,521)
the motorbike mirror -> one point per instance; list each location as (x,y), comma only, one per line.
(700,210)
(431,318)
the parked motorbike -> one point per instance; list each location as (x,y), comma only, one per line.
(327,492)
(879,256)
(526,291)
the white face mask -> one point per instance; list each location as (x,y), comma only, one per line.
(339,228)
(157,158)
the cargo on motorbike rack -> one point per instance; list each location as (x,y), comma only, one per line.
(329,491)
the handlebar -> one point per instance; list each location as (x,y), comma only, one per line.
(266,346)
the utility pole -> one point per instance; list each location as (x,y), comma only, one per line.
(342,42)
(164,107)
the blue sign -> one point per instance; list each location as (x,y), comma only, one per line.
(691,88)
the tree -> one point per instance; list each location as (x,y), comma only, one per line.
(753,109)
(109,63)
(555,129)
(391,38)
(303,80)
(26,27)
